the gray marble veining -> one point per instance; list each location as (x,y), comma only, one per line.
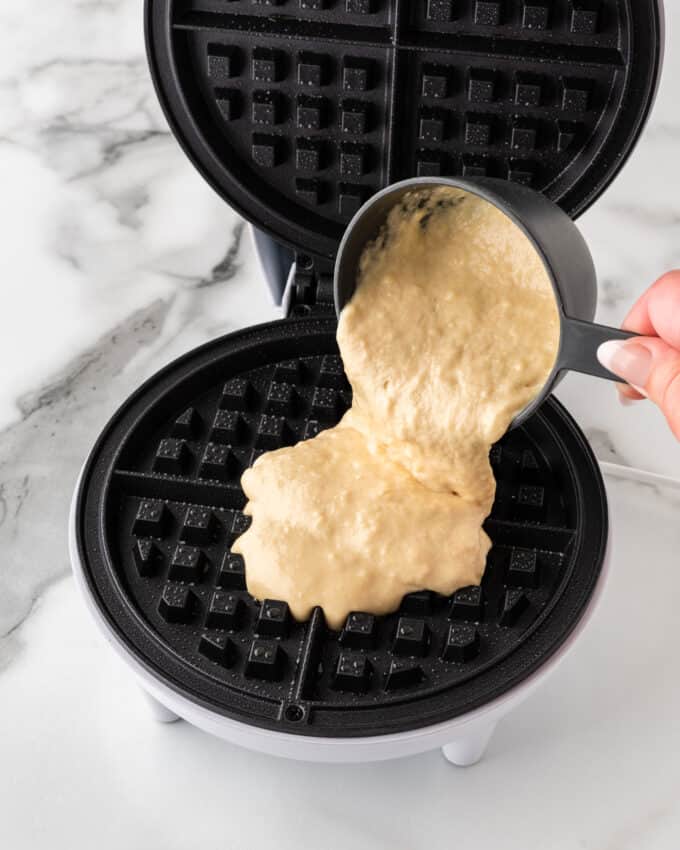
(40,456)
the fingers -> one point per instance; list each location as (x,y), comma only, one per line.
(652,365)
(631,360)
(657,312)
(628,395)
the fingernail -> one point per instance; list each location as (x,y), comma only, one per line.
(629,361)
(625,401)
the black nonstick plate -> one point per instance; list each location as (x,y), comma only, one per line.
(160,505)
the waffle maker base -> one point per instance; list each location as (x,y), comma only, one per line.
(158,505)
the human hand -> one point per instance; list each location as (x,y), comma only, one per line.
(651,365)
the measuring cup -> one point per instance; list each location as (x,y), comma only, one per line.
(557,240)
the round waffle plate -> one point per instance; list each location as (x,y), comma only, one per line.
(160,505)
(296,111)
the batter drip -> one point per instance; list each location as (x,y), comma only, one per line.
(452,330)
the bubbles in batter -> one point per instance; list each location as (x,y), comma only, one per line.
(452,330)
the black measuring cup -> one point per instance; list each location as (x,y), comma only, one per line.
(557,240)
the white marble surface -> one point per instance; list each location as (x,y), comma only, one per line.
(116,258)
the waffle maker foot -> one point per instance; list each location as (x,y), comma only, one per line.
(158,711)
(466,751)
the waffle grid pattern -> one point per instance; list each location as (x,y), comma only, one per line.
(155,520)
(319,103)
(179,513)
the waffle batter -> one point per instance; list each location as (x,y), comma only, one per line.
(452,330)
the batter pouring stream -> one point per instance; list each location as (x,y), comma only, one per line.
(452,330)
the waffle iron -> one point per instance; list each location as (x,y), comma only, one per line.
(296,112)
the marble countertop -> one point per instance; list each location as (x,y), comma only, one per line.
(116,259)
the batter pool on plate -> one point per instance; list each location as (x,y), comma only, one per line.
(452,330)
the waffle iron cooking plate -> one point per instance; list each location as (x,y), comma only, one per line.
(160,504)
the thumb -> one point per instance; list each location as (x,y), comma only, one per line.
(651,365)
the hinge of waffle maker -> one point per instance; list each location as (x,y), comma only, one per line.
(310,287)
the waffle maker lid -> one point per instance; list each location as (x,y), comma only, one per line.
(296,111)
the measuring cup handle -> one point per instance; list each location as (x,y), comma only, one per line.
(580,341)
